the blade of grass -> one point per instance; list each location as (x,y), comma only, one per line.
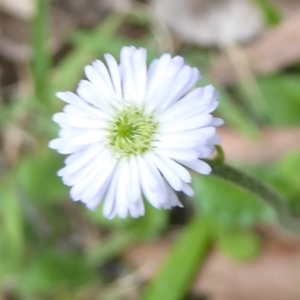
(186,258)
(41,59)
(101,40)
(12,238)
(91,45)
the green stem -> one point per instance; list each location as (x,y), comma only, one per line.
(185,260)
(259,189)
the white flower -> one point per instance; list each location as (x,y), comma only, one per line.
(132,131)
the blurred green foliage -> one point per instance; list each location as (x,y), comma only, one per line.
(271,14)
(44,251)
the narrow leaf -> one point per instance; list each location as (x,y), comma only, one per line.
(186,258)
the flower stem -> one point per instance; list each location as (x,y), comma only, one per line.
(259,189)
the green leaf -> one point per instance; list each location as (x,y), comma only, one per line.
(288,170)
(270,12)
(239,245)
(37,177)
(288,167)
(284,176)
(51,270)
(228,204)
(185,259)
(282,93)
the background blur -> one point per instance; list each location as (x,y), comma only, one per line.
(53,248)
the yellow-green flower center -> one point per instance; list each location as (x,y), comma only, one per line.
(132,131)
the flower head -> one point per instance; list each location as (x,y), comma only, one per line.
(132,132)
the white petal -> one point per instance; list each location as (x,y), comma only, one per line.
(65,119)
(188,144)
(98,198)
(74,110)
(154,73)
(163,191)
(182,172)
(79,176)
(197,111)
(187,111)
(185,139)
(205,152)
(216,122)
(163,83)
(140,73)
(133,182)
(126,68)
(89,93)
(109,207)
(150,184)
(101,69)
(214,140)
(114,73)
(78,133)
(200,135)
(197,165)
(80,103)
(99,83)
(171,177)
(70,98)
(90,179)
(137,209)
(200,100)
(151,71)
(188,190)
(183,82)
(172,199)
(207,132)
(62,146)
(123,192)
(185,124)
(78,160)
(84,109)
(62,143)
(98,178)
(178,154)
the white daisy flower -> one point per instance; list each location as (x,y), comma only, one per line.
(132,132)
